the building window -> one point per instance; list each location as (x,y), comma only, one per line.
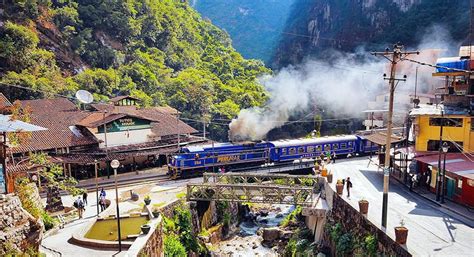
(300,149)
(447,122)
(292,151)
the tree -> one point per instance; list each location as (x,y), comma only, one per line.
(17,44)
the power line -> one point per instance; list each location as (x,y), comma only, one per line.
(437,66)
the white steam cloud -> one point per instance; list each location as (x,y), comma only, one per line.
(342,85)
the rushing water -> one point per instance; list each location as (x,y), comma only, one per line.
(247,242)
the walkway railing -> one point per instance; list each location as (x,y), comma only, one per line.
(260,178)
(256,193)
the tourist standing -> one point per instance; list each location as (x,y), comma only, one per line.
(102,203)
(79,204)
(102,192)
(334,157)
(348,186)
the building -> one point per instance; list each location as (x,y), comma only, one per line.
(79,139)
(377,110)
(449,123)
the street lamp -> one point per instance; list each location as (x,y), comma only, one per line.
(115,164)
(445,151)
(96,186)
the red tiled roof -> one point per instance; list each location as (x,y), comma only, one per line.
(168,125)
(103,107)
(166,109)
(58,116)
(96,119)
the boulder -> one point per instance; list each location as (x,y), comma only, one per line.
(270,235)
(285,234)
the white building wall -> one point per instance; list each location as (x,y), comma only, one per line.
(125,137)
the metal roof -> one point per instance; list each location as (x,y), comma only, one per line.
(456,163)
(8,125)
(435,110)
(310,141)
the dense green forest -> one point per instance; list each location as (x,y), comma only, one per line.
(160,51)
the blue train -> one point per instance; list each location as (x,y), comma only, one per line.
(198,159)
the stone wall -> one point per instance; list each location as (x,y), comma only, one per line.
(354,222)
(19,230)
(154,245)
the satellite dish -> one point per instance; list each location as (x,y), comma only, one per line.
(84,96)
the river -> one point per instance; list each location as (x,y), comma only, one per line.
(246,242)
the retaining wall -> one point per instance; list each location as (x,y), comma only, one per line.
(18,229)
(353,221)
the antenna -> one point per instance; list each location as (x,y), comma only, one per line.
(84,96)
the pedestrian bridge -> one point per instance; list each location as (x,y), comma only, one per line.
(256,188)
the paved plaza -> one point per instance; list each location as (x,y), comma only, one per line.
(433,230)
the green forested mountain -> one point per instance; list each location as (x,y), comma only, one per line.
(160,51)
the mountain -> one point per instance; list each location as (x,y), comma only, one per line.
(255,26)
(160,51)
(314,26)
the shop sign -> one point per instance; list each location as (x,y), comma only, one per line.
(126,124)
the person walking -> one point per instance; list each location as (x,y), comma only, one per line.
(102,192)
(348,186)
(334,157)
(84,197)
(79,204)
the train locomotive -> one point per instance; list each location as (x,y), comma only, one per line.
(193,160)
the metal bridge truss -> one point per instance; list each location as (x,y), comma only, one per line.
(260,178)
(256,193)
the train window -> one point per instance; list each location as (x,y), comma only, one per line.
(335,146)
(283,151)
(319,148)
(343,146)
(292,151)
(327,147)
(349,144)
(310,149)
(300,149)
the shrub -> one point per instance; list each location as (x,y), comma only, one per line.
(370,245)
(48,221)
(173,246)
(344,245)
(292,217)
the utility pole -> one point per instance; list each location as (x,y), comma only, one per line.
(397,55)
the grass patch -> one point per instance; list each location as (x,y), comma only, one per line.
(292,217)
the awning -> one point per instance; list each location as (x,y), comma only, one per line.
(458,164)
(379,138)
(8,125)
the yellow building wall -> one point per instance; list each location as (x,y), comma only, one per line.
(425,132)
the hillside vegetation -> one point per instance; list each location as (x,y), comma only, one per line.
(160,51)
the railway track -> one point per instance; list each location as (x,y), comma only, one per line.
(120,183)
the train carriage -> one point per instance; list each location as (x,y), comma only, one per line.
(290,150)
